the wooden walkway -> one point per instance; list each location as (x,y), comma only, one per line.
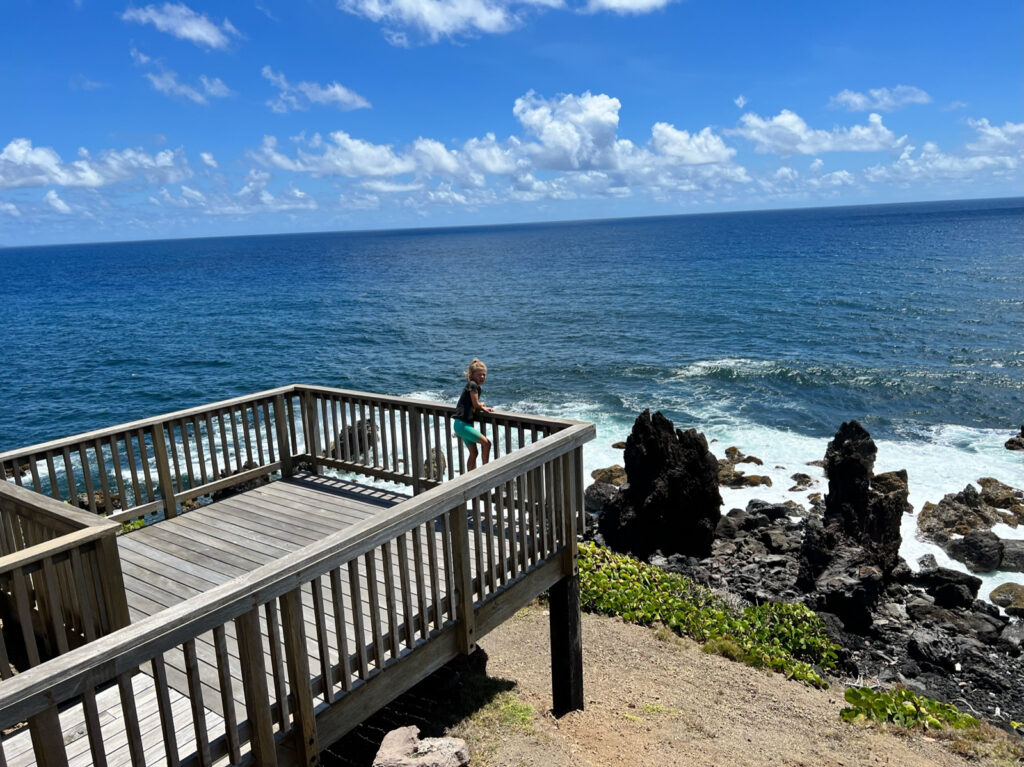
(168,562)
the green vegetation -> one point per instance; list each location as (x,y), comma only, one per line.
(787,638)
(135,524)
(903,707)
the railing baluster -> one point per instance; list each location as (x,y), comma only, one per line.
(304,729)
(421,593)
(406,586)
(227,695)
(389,598)
(131,717)
(94,731)
(341,629)
(357,617)
(163,699)
(322,639)
(277,664)
(370,562)
(254,683)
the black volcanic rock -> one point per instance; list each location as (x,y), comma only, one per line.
(980,550)
(671,502)
(848,559)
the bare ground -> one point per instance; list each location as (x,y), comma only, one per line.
(655,699)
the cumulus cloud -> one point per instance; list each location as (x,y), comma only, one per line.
(255,196)
(24,165)
(182,22)
(9,208)
(695,149)
(569,148)
(343,155)
(208,159)
(54,201)
(740,101)
(301,95)
(573,132)
(880,99)
(448,18)
(817,165)
(788,134)
(994,138)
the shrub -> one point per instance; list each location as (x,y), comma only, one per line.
(788,638)
(903,707)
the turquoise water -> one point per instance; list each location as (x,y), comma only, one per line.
(765,330)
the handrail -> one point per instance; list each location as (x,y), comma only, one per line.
(39,689)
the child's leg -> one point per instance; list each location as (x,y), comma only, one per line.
(486,443)
(471,462)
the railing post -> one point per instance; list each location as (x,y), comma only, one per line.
(254,684)
(163,471)
(311,428)
(284,445)
(108,562)
(416,448)
(304,732)
(461,569)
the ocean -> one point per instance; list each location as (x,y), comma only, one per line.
(764,330)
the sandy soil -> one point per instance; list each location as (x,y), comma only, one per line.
(654,699)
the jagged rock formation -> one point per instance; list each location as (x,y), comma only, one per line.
(671,502)
(848,559)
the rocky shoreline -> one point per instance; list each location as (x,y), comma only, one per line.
(922,626)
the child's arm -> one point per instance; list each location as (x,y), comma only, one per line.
(477,404)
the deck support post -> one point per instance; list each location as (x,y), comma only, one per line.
(284,445)
(463,581)
(112,589)
(566,646)
(163,471)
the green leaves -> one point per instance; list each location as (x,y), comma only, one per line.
(787,638)
(903,707)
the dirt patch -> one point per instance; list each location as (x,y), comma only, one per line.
(652,700)
(655,699)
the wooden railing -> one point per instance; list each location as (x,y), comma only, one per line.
(60,578)
(389,600)
(155,467)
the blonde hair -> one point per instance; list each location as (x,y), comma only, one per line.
(476,364)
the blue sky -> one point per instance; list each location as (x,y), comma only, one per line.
(129,121)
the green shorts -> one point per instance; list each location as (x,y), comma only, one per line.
(466,432)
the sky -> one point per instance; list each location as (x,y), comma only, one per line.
(129,121)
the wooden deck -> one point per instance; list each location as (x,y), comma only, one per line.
(168,562)
(264,626)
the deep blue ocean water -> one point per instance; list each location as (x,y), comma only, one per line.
(764,329)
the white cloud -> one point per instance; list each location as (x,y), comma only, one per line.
(390,187)
(993,138)
(445,18)
(342,156)
(623,7)
(23,165)
(255,196)
(932,164)
(817,165)
(55,202)
(880,99)
(83,83)
(740,101)
(834,179)
(185,24)
(488,156)
(208,159)
(9,208)
(167,82)
(301,95)
(787,134)
(574,132)
(695,149)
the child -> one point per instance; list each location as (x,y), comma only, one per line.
(465,411)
